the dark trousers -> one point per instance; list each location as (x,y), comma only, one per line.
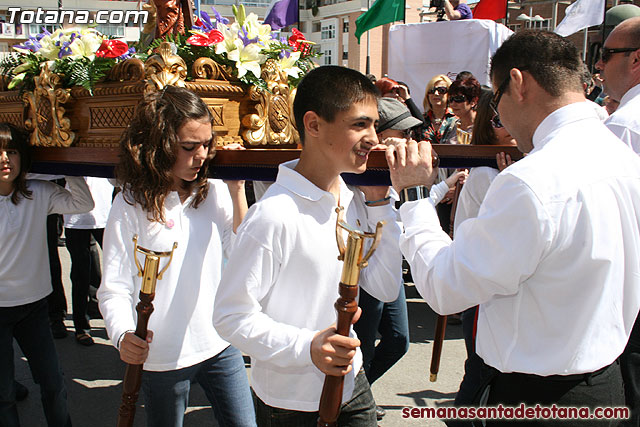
(360,411)
(630,369)
(29,325)
(84,272)
(600,389)
(391,320)
(56,299)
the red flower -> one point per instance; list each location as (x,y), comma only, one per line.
(299,42)
(112,49)
(205,39)
(295,39)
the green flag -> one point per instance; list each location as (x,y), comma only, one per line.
(380,13)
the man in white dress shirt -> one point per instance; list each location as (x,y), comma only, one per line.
(620,70)
(553,257)
(619,67)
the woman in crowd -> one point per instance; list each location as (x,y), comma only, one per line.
(389,88)
(439,120)
(167,198)
(463,99)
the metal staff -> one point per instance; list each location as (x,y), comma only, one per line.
(133,374)
(441,322)
(346,306)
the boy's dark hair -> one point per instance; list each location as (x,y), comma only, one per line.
(12,137)
(553,61)
(328,90)
(149,146)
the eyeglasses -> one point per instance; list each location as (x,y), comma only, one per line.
(496,123)
(440,90)
(605,54)
(458,98)
(498,95)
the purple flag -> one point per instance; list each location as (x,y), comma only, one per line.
(282,13)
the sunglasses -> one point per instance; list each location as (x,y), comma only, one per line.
(496,123)
(458,98)
(605,54)
(441,90)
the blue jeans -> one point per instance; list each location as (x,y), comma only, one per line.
(391,320)
(224,380)
(29,324)
(360,411)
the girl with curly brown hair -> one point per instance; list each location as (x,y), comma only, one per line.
(167,198)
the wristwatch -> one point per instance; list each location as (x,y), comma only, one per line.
(414,193)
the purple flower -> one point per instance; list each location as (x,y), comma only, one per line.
(32,44)
(244,36)
(65,50)
(219,18)
(128,55)
(204,23)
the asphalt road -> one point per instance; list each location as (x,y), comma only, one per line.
(94,375)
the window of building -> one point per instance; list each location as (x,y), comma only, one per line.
(345,55)
(37,28)
(345,25)
(111,30)
(327,57)
(328,32)
(316,27)
(514,27)
(540,25)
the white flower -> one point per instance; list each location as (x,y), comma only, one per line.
(229,42)
(288,64)
(256,29)
(48,48)
(247,58)
(85,46)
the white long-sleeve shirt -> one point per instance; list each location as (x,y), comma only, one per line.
(183,306)
(24,257)
(553,256)
(101,191)
(625,121)
(281,283)
(472,194)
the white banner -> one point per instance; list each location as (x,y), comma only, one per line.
(581,14)
(418,52)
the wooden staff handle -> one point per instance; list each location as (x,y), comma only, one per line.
(441,323)
(133,373)
(438,340)
(331,397)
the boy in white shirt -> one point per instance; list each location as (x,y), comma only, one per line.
(276,296)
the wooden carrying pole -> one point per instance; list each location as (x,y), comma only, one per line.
(133,373)
(441,322)
(346,306)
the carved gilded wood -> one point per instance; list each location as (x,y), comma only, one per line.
(46,117)
(164,69)
(272,124)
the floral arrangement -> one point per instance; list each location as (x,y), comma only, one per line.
(244,46)
(84,56)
